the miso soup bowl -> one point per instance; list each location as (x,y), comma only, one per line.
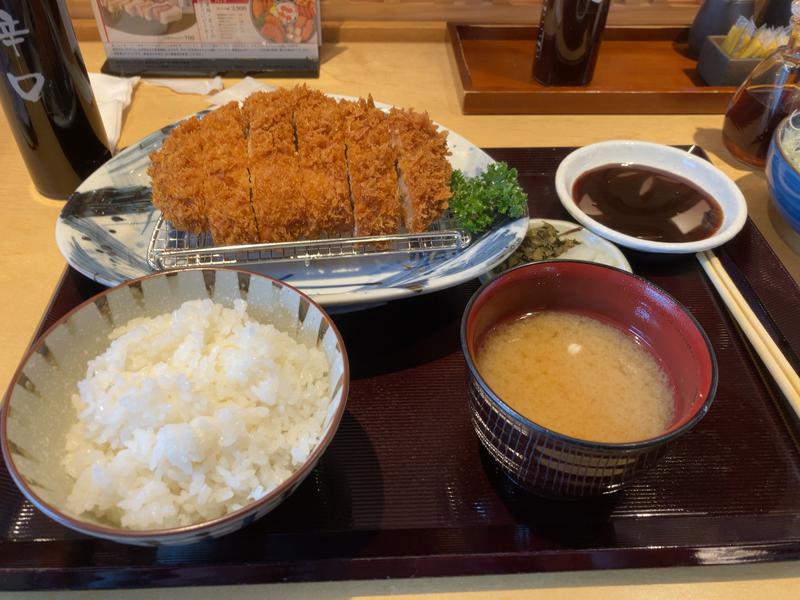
(547,462)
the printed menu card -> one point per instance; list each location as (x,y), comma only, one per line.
(190,37)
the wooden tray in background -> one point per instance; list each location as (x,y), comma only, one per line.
(639,70)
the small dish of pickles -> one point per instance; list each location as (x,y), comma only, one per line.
(550,239)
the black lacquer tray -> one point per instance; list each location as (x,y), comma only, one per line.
(404,490)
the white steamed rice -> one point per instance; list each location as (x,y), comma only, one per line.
(191,415)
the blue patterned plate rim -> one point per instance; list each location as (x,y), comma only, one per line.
(104,230)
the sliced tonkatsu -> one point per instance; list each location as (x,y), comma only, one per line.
(422,168)
(295,164)
(319,125)
(371,169)
(176,172)
(226,185)
(274,169)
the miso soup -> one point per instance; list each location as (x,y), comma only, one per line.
(578,376)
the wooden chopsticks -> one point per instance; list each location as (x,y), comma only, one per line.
(780,369)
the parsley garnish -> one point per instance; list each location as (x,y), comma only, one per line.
(478,202)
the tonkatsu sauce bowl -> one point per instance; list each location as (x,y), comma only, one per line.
(689,167)
(549,463)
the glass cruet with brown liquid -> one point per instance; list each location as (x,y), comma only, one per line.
(770,93)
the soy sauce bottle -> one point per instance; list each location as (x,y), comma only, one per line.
(770,93)
(569,40)
(46,96)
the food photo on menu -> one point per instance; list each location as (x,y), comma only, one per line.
(155,36)
(147,18)
(521,310)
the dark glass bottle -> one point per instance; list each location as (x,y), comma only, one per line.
(46,96)
(569,40)
(776,13)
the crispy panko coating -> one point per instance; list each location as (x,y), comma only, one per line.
(371,167)
(295,164)
(226,186)
(320,144)
(274,167)
(176,172)
(423,169)
(269,115)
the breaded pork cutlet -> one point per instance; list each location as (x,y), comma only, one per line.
(176,172)
(226,186)
(371,169)
(274,170)
(295,164)
(423,169)
(320,145)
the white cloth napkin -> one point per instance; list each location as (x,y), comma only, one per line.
(113,95)
(239,91)
(189,86)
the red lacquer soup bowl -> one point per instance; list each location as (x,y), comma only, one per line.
(550,463)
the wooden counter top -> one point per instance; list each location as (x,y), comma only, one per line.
(415,75)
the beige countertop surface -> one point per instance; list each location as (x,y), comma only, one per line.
(417,75)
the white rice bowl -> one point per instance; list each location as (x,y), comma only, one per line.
(192,415)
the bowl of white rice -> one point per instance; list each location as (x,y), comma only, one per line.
(175,407)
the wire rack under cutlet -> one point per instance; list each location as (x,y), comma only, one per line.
(171,248)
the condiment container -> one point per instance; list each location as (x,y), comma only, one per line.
(715,17)
(46,96)
(569,40)
(770,94)
(717,68)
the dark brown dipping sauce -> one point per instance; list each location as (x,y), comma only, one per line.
(647,203)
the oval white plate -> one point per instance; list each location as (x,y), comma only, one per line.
(105,236)
(693,168)
(592,248)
